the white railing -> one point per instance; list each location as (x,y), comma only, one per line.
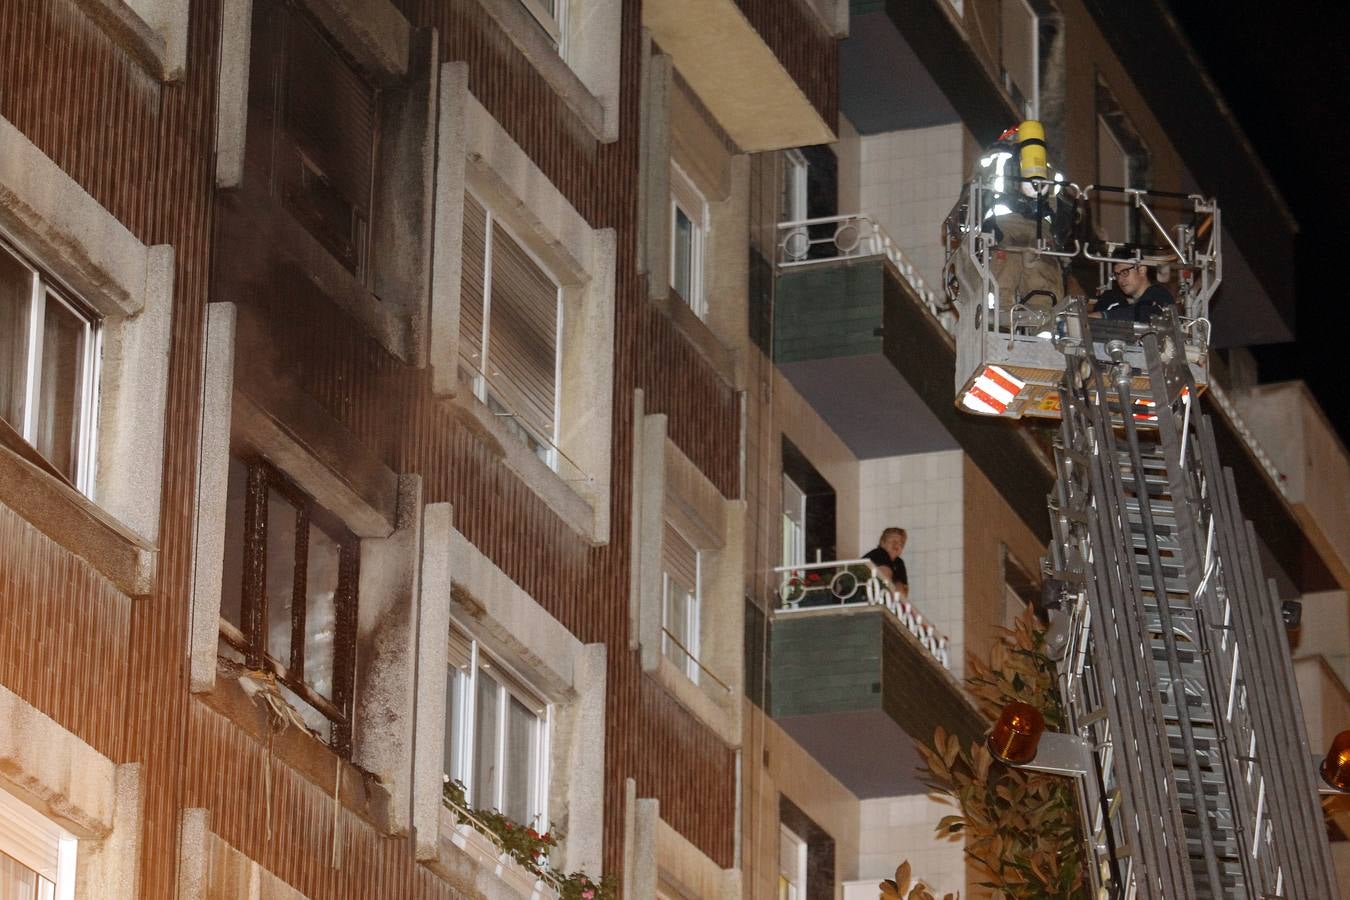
(852,237)
(1245,432)
(854,582)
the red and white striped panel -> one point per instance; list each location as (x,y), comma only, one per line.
(993,391)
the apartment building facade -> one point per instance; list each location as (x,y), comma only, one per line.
(856,353)
(405,392)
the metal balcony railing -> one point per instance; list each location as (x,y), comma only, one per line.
(854,582)
(831,238)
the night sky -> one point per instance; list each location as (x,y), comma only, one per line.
(1285,72)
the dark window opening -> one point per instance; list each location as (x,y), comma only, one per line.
(1122,162)
(321,115)
(820,519)
(289,594)
(822,197)
(820,864)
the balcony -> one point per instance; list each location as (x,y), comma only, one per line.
(856,330)
(856,673)
(840,260)
(1310,465)
(766,69)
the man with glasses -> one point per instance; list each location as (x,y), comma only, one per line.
(1136,297)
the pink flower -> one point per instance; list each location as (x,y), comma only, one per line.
(587,895)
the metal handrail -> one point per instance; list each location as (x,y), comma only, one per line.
(875,593)
(696,661)
(868,238)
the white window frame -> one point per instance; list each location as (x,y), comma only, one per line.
(554,25)
(29,838)
(1033,100)
(788,890)
(692,618)
(547,449)
(44,290)
(684,197)
(462,728)
(794,530)
(795,173)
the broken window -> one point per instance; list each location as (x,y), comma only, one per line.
(289,594)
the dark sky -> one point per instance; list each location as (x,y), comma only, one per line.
(1284,70)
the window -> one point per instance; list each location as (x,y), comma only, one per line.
(37,856)
(289,595)
(791,865)
(688,235)
(497,733)
(1021,56)
(49,350)
(794,524)
(510,322)
(1122,161)
(551,16)
(322,116)
(681,596)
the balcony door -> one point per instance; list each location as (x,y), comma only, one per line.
(794,523)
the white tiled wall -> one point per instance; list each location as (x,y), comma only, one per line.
(909,181)
(895,829)
(921,493)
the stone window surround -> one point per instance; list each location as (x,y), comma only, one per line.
(402,62)
(720,334)
(586,73)
(473,149)
(658,856)
(69,234)
(384,511)
(79,788)
(208,864)
(667,483)
(153,32)
(462,586)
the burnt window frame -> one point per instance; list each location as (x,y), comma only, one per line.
(284,148)
(251,639)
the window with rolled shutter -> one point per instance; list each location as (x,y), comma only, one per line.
(37,856)
(509,324)
(680,601)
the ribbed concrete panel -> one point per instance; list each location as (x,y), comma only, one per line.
(63,633)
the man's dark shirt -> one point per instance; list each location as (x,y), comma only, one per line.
(1116,306)
(879,557)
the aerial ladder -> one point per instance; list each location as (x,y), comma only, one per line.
(1184,729)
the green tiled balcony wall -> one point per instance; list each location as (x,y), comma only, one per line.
(825,664)
(828,310)
(860,660)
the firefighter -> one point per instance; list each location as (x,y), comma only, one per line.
(1025,206)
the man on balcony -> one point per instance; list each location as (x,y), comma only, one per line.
(885,558)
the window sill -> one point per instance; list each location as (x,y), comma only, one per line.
(76,523)
(566,501)
(264,237)
(697,332)
(162,55)
(466,855)
(362,793)
(723,720)
(516,22)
